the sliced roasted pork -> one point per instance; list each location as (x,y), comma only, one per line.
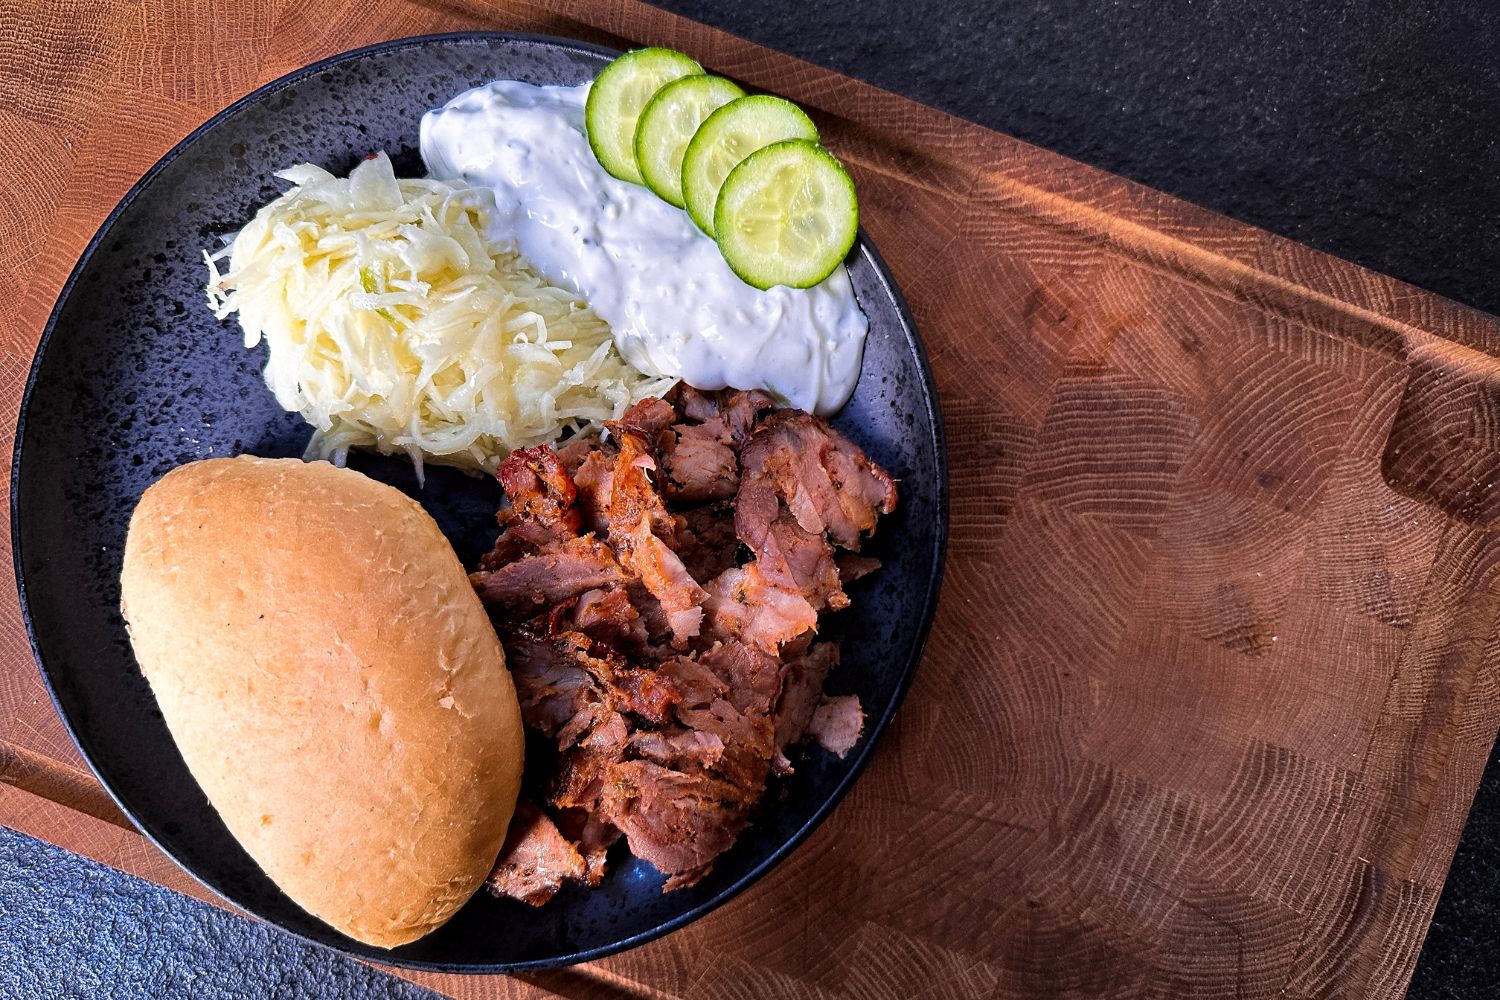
(561,571)
(790,556)
(698,464)
(647,418)
(695,406)
(823,477)
(520,537)
(741,411)
(837,723)
(706,540)
(640,527)
(536,859)
(555,691)
(743,604)
(608,616)
(681,748)
(540,488)
(593,835)
(679,822)
(595,483)
(583,769)
(800,694)
(658,592)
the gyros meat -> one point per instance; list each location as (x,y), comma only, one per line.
(658,593)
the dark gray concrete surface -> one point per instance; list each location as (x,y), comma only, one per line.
(1364,129)
(72,928)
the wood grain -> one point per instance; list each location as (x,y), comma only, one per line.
(1215,672)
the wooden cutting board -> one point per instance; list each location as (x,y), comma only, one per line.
(1214,675)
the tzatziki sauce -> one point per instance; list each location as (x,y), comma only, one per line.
(674,305)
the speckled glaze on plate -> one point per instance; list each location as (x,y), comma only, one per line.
(134,376)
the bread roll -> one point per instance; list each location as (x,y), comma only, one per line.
(332,682)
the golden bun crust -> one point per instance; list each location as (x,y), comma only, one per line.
(333,683)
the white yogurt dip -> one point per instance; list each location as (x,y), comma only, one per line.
(676,308)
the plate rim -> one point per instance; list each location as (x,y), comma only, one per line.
(393,957)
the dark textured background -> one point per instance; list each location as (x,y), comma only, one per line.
(1363,129)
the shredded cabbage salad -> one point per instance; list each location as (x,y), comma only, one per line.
(393,323)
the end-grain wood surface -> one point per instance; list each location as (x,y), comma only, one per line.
(1214,674)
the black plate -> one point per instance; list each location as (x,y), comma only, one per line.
(134,376)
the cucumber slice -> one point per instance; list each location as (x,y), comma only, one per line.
(729,135)
(616,100)
(787,215)
(668,124)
